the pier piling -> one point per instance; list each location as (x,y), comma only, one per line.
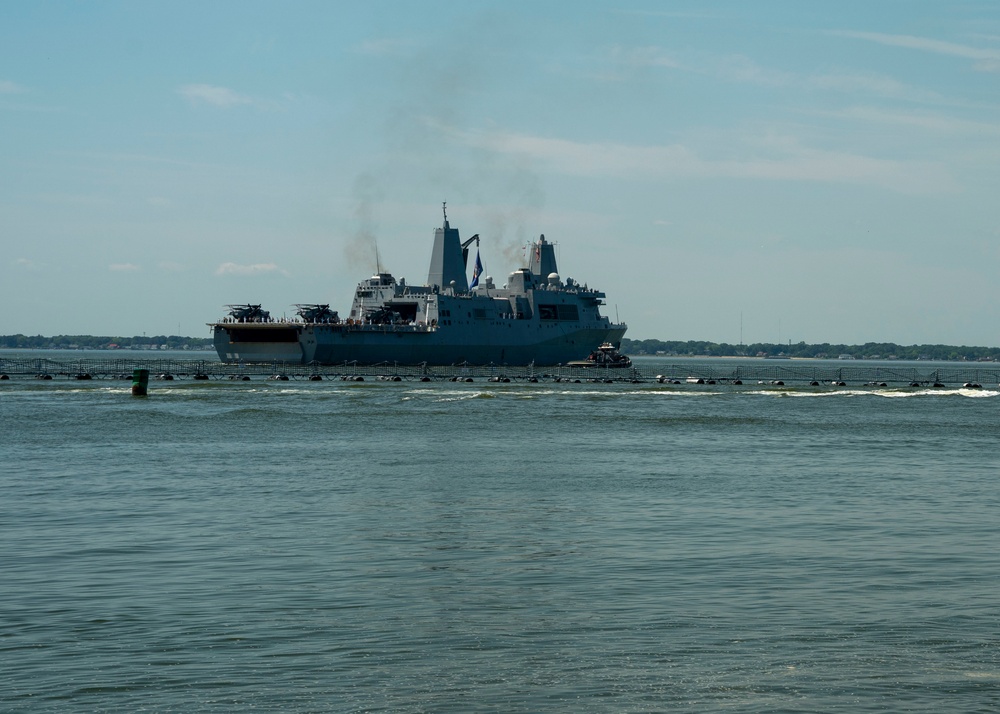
(140,382)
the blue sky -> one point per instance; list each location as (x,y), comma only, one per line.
(818,172)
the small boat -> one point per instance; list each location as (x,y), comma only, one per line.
(607,355)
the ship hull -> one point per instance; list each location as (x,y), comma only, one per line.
(523,344)
(259,343)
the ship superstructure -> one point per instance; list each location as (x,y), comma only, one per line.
(536,318)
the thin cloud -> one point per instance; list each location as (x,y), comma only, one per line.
(930,122)
(637,57)
(673,14)
(123,267)
(8,87)
(738,68)
(778,159)
(254,269)
(25,264)
(988,59)
(171,267)
(384,47)
(210,94)
(131,158)
(734,68)
(877,84)
(625,62)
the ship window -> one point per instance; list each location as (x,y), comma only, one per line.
(547,312)
(569,312)
(407,311)
(558,312)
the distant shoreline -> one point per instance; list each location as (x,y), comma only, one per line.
(637,348)
(109,343)
(868,351)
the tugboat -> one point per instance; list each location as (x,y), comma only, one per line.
(604,356)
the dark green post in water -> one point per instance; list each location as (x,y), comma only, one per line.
(140,382)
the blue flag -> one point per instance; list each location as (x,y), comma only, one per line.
(476,271)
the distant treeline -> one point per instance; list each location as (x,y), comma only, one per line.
(92,342)
(674,348)
(870,350)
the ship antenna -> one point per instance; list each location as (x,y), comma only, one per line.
(444,210)
(378,262)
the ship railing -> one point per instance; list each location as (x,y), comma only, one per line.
(369,327)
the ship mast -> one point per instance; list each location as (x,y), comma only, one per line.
(447,268)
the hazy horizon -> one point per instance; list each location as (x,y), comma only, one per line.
(634,339)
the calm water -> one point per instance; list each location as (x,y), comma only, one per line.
(313,547)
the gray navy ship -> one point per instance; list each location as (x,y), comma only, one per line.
(536,318)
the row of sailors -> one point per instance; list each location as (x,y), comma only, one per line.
(299,321)
(282,321)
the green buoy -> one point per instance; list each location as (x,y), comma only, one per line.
(140,382)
